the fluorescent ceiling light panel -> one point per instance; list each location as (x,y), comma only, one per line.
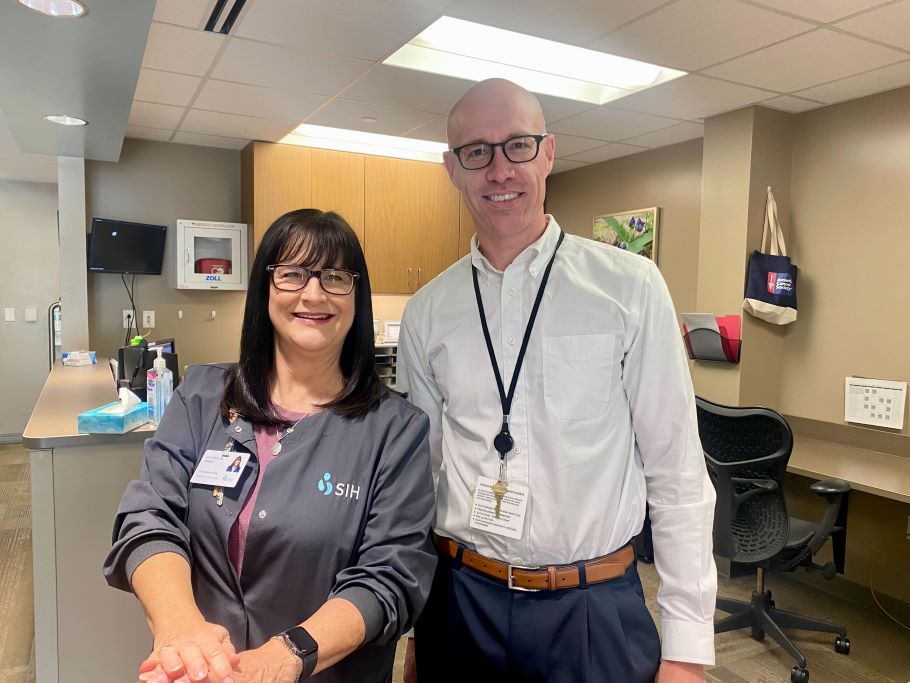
(464,49)
(56,8)
(344,140)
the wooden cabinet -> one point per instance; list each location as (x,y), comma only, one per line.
(465,229)
(405,213)
(411,221)
(275,179)
(337,179)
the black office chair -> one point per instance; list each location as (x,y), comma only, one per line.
(746,451)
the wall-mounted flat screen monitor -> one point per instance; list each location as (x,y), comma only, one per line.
(123,247)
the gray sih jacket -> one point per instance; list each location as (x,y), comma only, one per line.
(344,511)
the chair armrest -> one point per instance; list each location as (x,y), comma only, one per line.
(835,491)
(828,487)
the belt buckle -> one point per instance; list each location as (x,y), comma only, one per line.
(511,580)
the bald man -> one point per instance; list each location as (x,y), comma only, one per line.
(560,405)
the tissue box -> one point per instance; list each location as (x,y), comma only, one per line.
(96,421)
(79,358)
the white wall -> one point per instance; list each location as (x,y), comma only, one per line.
(28,279)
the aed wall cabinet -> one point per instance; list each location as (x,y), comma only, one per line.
(211,255)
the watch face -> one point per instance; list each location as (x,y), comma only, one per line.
(302,640)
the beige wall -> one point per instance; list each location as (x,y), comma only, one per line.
(850,237)
(157,182)
(28,279)
(669,177)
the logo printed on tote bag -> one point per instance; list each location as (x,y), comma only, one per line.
(780,283)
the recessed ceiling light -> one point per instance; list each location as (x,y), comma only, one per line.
(64,120)
(344,140)
(56,8)
(464,49)
(368,119)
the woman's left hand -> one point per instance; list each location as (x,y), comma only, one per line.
(271,663)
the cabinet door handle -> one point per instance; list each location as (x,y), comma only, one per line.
(418,277)
(409,278)
(186,257)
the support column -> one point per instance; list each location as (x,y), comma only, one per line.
(73,269)
(744,152)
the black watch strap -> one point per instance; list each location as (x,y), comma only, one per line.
(301,643)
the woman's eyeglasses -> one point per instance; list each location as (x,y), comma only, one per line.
(295,278)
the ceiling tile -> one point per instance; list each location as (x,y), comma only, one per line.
(889,24)
(869,83)
(233,126)
(611,151)
(389,120)
(557,108)
(164,87)
(820,10)
(209,140)
(693,34)
(190,13)
(567,145)
(691,97)
(434,130)
(562,165)
(144,133)
(418,90)
(285,68)
(669,136)
(184,50)
(806,60)
(155,115)
(586,19)
(794,105)
(250,100)
(364,29)
(605,123)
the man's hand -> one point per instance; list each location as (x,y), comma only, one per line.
(679,672)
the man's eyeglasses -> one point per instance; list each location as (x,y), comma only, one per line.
(295,278)
(518,150)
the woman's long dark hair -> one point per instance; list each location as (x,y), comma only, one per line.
(311,238)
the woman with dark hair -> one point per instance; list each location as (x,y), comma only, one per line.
(318,559)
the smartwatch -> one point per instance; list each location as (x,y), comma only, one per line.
(302,644)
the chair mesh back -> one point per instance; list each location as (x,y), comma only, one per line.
(747,528)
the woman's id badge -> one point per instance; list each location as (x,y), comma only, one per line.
(220,468)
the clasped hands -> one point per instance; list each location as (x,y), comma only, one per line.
(202,652)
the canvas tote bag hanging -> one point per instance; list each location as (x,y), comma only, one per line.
(771,280)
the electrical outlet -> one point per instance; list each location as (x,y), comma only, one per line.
(148,320)
(127,317)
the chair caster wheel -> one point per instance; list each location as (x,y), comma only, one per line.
(799,675)
(842,645)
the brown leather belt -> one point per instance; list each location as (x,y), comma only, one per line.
(548,578)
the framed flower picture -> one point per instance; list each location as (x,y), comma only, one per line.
(634,231)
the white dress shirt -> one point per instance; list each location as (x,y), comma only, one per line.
(603,417)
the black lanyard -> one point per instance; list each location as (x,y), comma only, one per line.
(503,441)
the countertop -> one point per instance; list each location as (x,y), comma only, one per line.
(67,392)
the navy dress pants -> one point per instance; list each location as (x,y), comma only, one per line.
(476,629)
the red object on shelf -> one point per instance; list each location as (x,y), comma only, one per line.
(213,266)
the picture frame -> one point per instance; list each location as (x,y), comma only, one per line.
(390,333)
(635,231)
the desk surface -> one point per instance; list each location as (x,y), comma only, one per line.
(880,474)
(67,392)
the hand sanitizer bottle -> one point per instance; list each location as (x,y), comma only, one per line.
(159,381)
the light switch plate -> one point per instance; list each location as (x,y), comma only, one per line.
(31,315)
(9,315)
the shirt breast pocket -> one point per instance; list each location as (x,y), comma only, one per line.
(578,374)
